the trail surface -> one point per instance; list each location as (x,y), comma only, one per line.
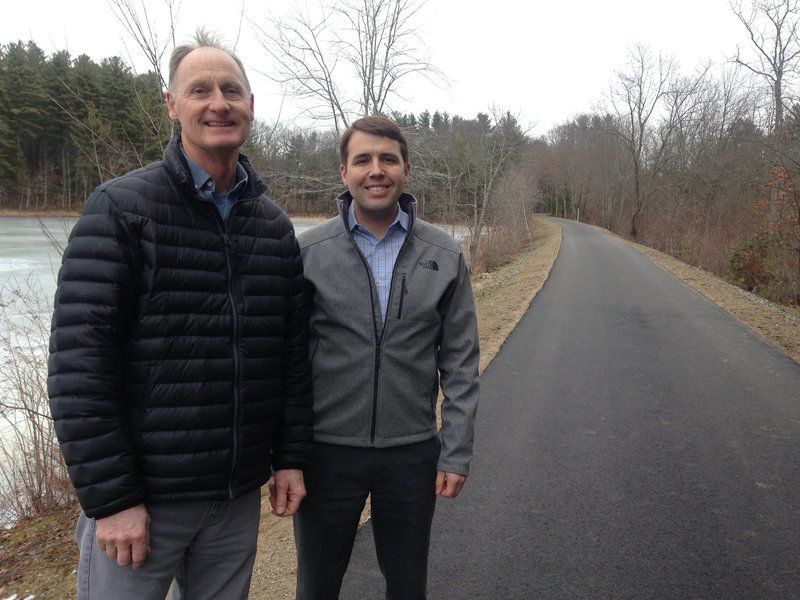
(633,441)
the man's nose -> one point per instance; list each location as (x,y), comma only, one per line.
(376,169)
(218,101)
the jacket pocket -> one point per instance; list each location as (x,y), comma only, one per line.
(408,380)
(402,296)
(141,401)
(312,352)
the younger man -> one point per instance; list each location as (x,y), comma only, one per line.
(391,312)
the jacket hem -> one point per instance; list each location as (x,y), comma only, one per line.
(379,442)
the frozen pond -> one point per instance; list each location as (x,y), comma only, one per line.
(30,255)
(26,252)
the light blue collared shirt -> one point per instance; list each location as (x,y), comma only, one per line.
(206,187)
(380,254)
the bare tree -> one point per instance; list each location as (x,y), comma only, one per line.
(383,49)
(346,61)
(307,56)
(772,26)
(145,31)
(153,37)
(440,169)
(652,105)
(497,142)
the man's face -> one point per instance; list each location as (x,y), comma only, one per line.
(211,101)
(375,173)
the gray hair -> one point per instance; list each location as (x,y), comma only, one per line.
(202,39)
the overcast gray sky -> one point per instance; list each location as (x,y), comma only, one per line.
(545,61)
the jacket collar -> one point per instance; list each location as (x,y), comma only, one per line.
(407,202)
(177,166)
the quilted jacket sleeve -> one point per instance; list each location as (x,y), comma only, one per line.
(293,447)
(97,291)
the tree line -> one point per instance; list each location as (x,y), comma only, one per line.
(702,165)
(71,123)
(68,123)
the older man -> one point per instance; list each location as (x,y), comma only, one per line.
(179,364)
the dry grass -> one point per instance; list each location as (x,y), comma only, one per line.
(50,212)
(39,557)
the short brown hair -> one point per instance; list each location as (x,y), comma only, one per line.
(374,125)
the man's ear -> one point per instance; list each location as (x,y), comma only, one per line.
(173,114)
(343,173)
(252,108)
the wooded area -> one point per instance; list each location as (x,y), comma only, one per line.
(701,165)
(66,124)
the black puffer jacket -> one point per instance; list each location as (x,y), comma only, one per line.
(179,361)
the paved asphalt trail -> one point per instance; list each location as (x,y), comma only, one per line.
(633,441)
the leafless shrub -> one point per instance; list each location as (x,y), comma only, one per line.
(510,222)
(33,478)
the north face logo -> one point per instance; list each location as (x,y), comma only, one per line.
(429,264)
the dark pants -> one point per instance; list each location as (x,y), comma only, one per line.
(402,483)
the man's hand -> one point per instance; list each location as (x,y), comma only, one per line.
(125,536)
(448,485)
(286,490)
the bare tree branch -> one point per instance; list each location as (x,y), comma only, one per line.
(772,26)
(347,61)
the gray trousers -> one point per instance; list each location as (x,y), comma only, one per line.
(208,548)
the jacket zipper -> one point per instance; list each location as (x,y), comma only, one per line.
(379,337)
(223,226)
(402,295)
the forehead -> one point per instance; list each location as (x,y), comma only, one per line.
(204,63)
(367,143)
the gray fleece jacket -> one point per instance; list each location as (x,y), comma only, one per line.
(376,384)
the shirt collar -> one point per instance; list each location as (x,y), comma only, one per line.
(400,219)
(204,183)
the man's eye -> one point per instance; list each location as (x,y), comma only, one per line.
(198,91)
